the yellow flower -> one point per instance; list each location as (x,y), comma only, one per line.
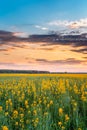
(0,108)
(36,120)
(9,100)
(59,123)
(83,98)
(21,115)
(21,109)
(26,102)
(48,105)
(63,128)
(35,112)
(15,113)
(6,102)
(16,123)
(29,112)
(51,102)
(6,113)
(66,117)
(79,129)
(45,113)
(27,121)
(45,101)
(4,128)
(75,104)
(60,110)
(27,106)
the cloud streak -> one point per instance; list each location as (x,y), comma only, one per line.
(82,50)
(68,61)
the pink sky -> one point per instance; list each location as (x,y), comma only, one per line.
(34,56)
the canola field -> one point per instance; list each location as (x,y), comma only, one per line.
(43,101)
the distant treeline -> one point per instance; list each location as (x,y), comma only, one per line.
(23,71)
(38,72)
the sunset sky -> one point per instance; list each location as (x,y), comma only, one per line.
(20,19)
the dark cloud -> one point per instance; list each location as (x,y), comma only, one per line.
(43,60)
(48,48)
(5,33)
(83,50)
(70,61)
(84,57)
(8,41)
(8,38)
(1,49)
(73,61)
(80,44)
(7,49)
(54,39)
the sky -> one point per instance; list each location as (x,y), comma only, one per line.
(22,18)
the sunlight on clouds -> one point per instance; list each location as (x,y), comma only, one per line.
(36,51)
(35,55)
(70,24)
(20,34)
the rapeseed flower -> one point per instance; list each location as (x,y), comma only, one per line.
(5,128)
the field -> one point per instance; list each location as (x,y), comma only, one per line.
(43,101)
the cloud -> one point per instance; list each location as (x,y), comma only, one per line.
(12,40)
(68,61)
(1,49)
(67,43)
(85,57)
(9,36)
(47,48)
(40,27)
(59,23)
(20,34)
(79,23)
(70,24)
(5,34)
(18,26)
(79,44)
(82,50)
(42,60)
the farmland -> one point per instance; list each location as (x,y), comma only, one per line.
(43,101)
